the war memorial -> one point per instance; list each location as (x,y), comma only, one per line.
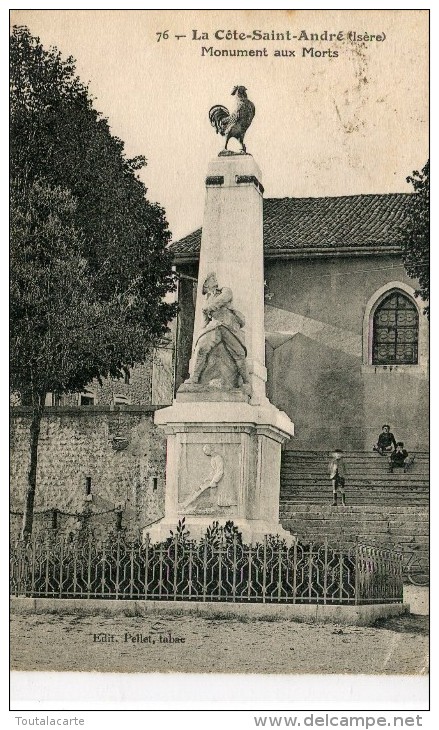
(221,539)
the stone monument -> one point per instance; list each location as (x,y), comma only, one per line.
(224,437)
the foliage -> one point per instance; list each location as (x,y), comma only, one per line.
(416,233)
(181,534)
(59,138)
(225,535)
(63,334)
(89,264)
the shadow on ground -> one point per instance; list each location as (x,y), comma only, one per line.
(410,623)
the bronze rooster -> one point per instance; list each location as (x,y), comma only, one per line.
(235,124)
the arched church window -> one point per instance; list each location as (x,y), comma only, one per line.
(395,331)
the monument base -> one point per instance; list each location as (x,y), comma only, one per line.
(223,464)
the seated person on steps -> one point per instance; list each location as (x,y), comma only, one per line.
(400,458)
(386,441)
(337,474)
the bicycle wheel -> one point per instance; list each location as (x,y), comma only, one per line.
(417,573)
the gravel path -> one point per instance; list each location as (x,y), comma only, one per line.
(51,642)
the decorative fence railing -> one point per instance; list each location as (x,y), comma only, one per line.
(183,570)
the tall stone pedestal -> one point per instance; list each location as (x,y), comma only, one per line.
(223,442)
(248,439)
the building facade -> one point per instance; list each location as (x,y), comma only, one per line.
(346,337)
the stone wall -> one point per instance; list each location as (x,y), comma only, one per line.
(119,449)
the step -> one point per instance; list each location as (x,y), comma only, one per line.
(374,468)
(325,527)
(388,481)
(355,452)
(394,510)
(382,508)
(382,523)
(350,454)
(356,497)
(322,526)
(352,458)
(357,483)
(347,512)
(359,473)
(380,469)
(420,544)
(382,464)
(373,490)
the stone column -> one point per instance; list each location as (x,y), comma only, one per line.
(224,443)
(232,247)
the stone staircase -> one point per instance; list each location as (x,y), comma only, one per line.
(382,508)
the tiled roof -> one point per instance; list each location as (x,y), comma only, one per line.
(300,224)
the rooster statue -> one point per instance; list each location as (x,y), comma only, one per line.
(235,124)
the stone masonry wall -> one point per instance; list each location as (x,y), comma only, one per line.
(119,448)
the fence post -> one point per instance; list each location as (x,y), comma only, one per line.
(145,583)
(340,576)
(75,570)
(89,566)
(131,568)
(220,566)
(310,572)
(264,571)
(174,584)
(295,571)
(47,564)
(21,563)
(279,570)
(116,587)
(249,582)
(61,561)
(357,573)
(204,570)
(325,574)
(189,583)
(103,543)
(234,569)
(160,569)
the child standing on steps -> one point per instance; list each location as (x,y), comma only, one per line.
(337,474)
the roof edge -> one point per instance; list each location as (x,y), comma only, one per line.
(294,253)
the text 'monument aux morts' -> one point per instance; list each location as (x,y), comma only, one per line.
(334,40)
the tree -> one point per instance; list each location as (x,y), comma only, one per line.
(89,264)
(416,233)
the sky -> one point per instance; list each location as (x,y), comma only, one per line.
(340,125)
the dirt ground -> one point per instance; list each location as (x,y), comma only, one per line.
(51,642)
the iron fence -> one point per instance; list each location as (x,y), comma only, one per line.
(183,570)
